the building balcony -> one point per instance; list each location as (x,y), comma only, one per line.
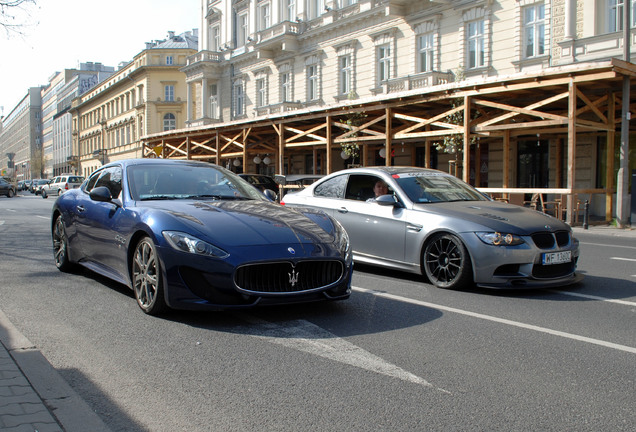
(204,64)
(413,82)
(277,108)
(594,48)
(280,37)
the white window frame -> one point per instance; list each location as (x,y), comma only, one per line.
(315,8)
(238,96)
(288,9)
(615,15)
(534,37)
(215,37)
(242,29)
(345,74)
(169,60)
(426,52)
(286,86)
(214,101)
(169,122)
(264,16)
(261,91)
(312,82)
(384,63)
(169,93)
(476,42)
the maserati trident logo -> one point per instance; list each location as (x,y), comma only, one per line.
(293,277)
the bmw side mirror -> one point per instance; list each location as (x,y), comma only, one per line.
(388,200)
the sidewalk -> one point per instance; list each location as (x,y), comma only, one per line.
(33,395)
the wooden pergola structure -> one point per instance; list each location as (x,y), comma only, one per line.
(560,103)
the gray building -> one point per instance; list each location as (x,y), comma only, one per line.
(21,138)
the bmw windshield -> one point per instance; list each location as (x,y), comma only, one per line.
(436,187)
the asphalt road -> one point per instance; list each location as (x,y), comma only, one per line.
(399,355)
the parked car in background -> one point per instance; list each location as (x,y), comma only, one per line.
(60,184)
(7,188)
(36,185)
(192,235)
(261,181)
(432,223)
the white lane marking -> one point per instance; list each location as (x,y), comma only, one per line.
(43,217)
(593,297)
(310,338)
(1,222)
(500,320)
(623,259)
(608,245)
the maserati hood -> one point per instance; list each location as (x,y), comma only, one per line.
(243,223)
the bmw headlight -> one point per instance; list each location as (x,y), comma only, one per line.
(500,239)
(187,243)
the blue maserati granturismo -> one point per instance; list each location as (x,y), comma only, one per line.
(193,235)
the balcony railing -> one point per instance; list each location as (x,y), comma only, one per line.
(413,82)
(204,56)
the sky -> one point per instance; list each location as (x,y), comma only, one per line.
(61,34)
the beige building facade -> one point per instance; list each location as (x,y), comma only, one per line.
(515,94)
(144,96)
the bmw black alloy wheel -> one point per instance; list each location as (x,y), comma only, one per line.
(446,262)
(147,279)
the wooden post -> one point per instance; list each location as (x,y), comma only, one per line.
(388,139)
(329,143)
(244,151)
(281,149)
(506,161)
(466,161)
(571,170)
(609,157)
(559,163)
(218,149)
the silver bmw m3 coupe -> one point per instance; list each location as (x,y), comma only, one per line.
(426,221)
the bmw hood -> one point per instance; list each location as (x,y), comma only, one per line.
(244,223)
(495,216)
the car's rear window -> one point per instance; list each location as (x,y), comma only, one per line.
(75,179)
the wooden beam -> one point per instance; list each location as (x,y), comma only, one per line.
(328,121)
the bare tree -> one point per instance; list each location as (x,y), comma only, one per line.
(15,15)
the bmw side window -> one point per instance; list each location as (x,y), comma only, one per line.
(332,188)
(360,187)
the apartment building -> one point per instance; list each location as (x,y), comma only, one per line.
(21,138)
(144,96)
(300,80)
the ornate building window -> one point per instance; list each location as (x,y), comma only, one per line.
(169,93)
(286,83)
(169,122)
(475,32)
(384,56)
(288,10)
(534,30)
(264,16)
(238,98)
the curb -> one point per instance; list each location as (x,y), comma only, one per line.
(71,412)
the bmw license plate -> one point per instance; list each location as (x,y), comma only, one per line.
(556,257)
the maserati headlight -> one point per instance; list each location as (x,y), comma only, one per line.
(500,239)
(187,243)
(342,240)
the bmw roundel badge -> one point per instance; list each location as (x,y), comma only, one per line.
(291,250)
